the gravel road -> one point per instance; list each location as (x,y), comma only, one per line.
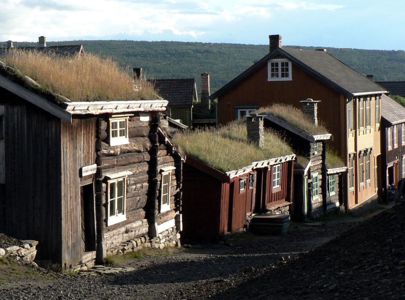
(306,263)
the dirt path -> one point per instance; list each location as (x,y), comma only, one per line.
(204,271)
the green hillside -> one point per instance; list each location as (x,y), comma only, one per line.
(225,61)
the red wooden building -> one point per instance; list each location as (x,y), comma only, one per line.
(218,201)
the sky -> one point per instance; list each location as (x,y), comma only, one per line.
(364,24)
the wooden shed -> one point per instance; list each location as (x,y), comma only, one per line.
(232,179)
(85,178)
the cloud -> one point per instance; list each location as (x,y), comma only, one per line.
(185,19)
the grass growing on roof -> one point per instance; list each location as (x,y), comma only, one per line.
(81,78)
(227,148)
(333,160)
(294,116)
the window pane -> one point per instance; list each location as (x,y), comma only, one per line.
(112,208)
(120,205)
(165,188)
(112,190)
(114,133)
(122,124)
(114,125)
(123,132)
(120,188)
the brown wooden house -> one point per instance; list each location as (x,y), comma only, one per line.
(317,180)
(231,180)
(351,107)
(85,178)
(392,144)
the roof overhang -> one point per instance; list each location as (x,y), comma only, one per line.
(122,106)
(34,99)
(298,131)
(331,171)
(369,93)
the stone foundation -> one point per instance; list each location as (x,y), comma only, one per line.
(25,253)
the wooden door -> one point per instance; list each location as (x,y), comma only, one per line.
(87,217)
(238,217)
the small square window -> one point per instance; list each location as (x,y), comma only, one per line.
(276,176)
(279,70)
(242,185)
(118,131)
(251,181)
(165,191)
(244,112)
(116,201)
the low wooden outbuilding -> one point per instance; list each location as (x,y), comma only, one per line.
(85,178)
(227,179)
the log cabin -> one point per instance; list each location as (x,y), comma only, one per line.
(318,173)
(86,178)
(231,175)
(392,144)
(351,110)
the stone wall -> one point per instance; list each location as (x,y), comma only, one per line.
(24,253)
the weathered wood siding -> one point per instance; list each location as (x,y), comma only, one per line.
(78,141)
(279,194)
(33,186)
(205,206)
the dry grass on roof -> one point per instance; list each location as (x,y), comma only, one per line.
(333,160)
(227,148)
(295,117)
(81,78)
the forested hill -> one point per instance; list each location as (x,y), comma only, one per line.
(225,61)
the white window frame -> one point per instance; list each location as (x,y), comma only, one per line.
(395,138)
(350,123)
(247,112)
(276,176)
(362,174)
(402,134)
(361,115)
(252,181)
(389,139)
(165,205)
(377,111)
(315,187)
(278,62)
(119,139)
(332,185)
(368,113)
(242,185)
(117,217)
(351,171)
(367,167)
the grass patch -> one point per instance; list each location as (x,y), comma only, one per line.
(123,259)
(227,148)
(80,78)
(399,99)
(294,116)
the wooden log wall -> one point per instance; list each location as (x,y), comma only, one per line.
(317,164)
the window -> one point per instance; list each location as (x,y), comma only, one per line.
(165,191)
(118,131)
(315,186)
(377,110)
(402,134)
(351,171)
(332,185)
(279,70)
(395,133)
(276,176)
(251,181)
(242,185)
(116,201)
(244,112)
(368,166)
(315,148)
(403,166)
(361,168)
(350,115)
(389,138)
(361,113)
(368,112)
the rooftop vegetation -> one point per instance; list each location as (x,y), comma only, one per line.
(333,160)
(295,117)
(79,78)
(227,148)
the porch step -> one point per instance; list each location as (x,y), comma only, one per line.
(270,224)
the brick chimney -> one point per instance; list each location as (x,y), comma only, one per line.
(255,129)
(9,45)
(206,90)
(275,42)
(138,73)
(42,41)
(310,108)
